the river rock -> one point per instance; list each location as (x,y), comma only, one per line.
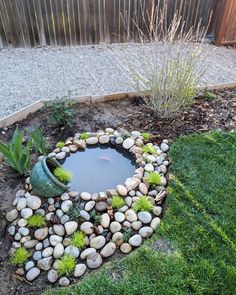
(41,233)
(94,260)
(92,140)
(54,240)
(87,252)
(101,206)
(26,213)
(98,242)
(30,244)
(24,231)
(108,250)
(79,270)
(136,225)
(64,281)
(52,276)
(131,183)
(47,252)
(85,196)
(125,248)
(60,155)
(22,222)
(104,139)
(145,217)
(164,147)
(118,238)
(130,215)
(105,220)
(71,227)
(157,210)
(119,216)
(143,188)
(149,167)
(37,255)
(64,219)
(145,231)
(121,190)
(11,230)
(32,274)
(155,223)
(58,250)
(65,205)
(89,206)
(73,251)
(119,140)
(85,215)
(45,263)
(128,143)
(115,227)
(33,202)
(59,229)
(21,204)
(12,215)
(135,240)
(87,228)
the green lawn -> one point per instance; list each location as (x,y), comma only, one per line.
(199,223)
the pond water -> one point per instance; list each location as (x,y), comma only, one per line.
(99,168)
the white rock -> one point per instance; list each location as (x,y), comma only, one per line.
(21,204)
(59,229)
(84,214)
(108,250)
(163,169)
(131,183)
(79,270)
(119,216)
(71,227)
(22,222)
(33,202)
(104,139)
(65,197)
(115,227)
(143,188)
(30,244)
(29,265)
(125,248)
(157,210)
(155,222)
(58,250)
(145,231)
(52,276)
(135,134)
(26,213)
(105,220)
(64,281)
(11,230)
(65,149)
(136,225)
(149,167)
(163,181)
(73,251)
(128,200)
(121,190)
(110,130)
(127,224)
(87,252)
(94,260)
(92,140)
(164,147)
(135,240)
(128,143)
(87,227)
(98,242)
(130,215)
(24,231)
(65,205)
(47,252)
(118,238)
(41,233)
(12,215)
(32,274)
(123,208)
(145,217)
(119,140)
(89,206)
(54,240)
(60,155)
(86,196)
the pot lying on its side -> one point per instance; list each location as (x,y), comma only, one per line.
(44,183)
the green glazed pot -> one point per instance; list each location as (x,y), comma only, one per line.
(43,182)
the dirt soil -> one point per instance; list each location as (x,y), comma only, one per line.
(131,114)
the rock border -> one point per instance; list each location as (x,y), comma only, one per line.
(115,228)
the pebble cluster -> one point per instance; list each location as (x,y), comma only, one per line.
(123,228)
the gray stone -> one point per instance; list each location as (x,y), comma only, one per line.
(98,242)
(29,265)
(101,206)
(64,219)
(145,231)
(85,215)
(41,233)
(33,202)
(108,250)
(11,230)
(65,205)
(32,274)
(24,231)
(135,240)
(87,252)
(64,281)
(58,250)
(164,147)
(47,252)
(26,213)
(145,217)
(128,143)
(92,140)
(128,200)
(52,276)
(94,260)
(30,244)
(12,215)
(39,246)
(60,155)
(71,227)
(79,270)
(37,255)
(73,251)
(46,243)
(17,236)
(123,208)
(87,227)
(45,263)
(65,149)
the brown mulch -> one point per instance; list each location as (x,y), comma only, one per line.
(132,114)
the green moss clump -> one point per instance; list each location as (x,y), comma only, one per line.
(209,96)
(143,204)
(36,220)
(20,256)
(66,265)
(153,178)
(84,136)
(78,240)
(117,202)
(148,149)
(62,175)
(60,144)
(146,136)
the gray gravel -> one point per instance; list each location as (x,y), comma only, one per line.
(28,75)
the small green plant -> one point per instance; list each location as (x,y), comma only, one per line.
(125,134)
(20,256)
(143,204)
(62,175)
(63,112)
(84,136)
(60,144)
(153,178)
(38,141)
(66,265)
(16,155)
(36,220)
(127,233)
(146,136)
(117,202)
(209,96)
(74,212)
(78,240)
(148,149)
(96,217)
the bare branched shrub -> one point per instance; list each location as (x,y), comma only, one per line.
(167,65)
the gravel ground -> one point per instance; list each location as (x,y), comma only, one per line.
(28,75)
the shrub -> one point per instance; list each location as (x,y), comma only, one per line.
(148,149)
(96,217)
(60,144)
(62,175)
(146,136)
(78,240)
(38,141)
(66,265)
(16,155)
(84,136)
(209,96)
(74,212)
(36,220)
(153,178)
(127,233)
(63,112)
(117,202)
(20,256)
(143,204)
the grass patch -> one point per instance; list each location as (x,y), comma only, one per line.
(199,223)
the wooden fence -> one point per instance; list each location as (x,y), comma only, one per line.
(29,23)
